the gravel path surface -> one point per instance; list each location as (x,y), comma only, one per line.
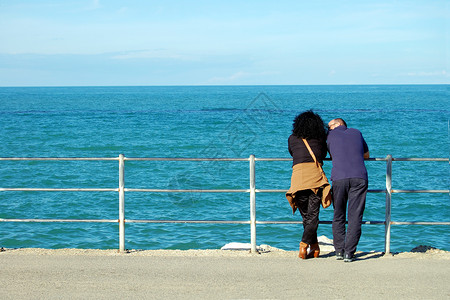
(220,274)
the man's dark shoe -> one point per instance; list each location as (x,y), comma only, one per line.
(349,257)
(339,255)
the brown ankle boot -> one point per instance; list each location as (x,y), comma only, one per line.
(303,250)
(314,250)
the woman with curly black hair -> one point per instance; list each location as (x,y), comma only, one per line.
(309,186)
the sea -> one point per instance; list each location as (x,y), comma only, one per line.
(405,121)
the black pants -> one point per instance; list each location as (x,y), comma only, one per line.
(353,191)
(309,206)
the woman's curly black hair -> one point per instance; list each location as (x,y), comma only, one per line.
(309,125)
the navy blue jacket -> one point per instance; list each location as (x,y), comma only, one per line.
(347,147)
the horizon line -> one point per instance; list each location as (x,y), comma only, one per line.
(219,85)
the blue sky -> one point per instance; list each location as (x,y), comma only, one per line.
(72,43)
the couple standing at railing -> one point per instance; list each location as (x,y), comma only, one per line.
(308,145)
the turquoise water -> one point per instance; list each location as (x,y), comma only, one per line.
(225,121)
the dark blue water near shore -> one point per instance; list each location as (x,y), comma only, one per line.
(211,121)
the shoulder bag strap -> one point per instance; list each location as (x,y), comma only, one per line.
(309,149)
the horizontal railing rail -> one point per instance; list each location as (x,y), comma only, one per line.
(251,190)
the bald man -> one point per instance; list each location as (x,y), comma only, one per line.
(347,149)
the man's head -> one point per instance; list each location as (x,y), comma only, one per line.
(335,123)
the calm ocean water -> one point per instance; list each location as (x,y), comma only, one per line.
(221,121)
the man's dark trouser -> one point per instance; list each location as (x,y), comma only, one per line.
(308,204)
(354,191)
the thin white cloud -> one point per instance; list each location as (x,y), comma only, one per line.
(228,79)
(95,4)
(240,75)
(150,54)
(428,74)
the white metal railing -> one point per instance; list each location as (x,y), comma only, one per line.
(251,190)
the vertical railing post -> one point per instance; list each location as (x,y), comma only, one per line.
(387,222)
(252,205)
(121,204)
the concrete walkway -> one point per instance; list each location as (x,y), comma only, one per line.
(47,274)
